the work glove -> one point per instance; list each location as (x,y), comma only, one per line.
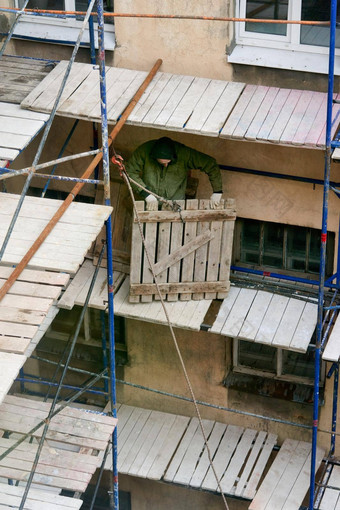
(151,203)
(215,200)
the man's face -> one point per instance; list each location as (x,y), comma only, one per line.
(164,162)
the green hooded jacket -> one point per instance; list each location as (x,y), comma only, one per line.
(169,182)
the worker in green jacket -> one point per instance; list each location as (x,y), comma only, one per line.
(162,167)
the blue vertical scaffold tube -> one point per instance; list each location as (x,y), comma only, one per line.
(323,250)
(106,179)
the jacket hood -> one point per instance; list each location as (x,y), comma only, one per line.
(164,148)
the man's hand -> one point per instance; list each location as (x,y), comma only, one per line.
(151,203)
(215,200)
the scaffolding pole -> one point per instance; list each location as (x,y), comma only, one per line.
(318,348)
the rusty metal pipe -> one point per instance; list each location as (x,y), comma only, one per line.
(69,199)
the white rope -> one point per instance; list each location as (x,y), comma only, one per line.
(127,179)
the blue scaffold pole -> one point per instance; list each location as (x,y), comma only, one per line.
(106,179)
(323,251)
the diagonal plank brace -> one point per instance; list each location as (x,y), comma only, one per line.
(182,252)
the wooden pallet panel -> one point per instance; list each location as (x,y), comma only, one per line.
(191,251)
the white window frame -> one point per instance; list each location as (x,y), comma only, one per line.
(284,52)
(278,376)
(59,30)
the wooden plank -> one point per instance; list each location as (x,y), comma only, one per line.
(165,95)
(302,482)
(261,114)
(332,349)
(313,134)
(225,310)
(54,75)
(284,116)
(131,431)
(330,497)
(222,457)
(187,104)
(201,254)
(199,314)
(288,324)
(230,476)
(44,277)
(272,319)
(133,444)
(192,455)
(21,126)
(127,96)
(221,111)
(12,141)
(77,75)
(163,250)
(78,100)
(120,85)
(205,105)
(197,287)
(204,463)
(250,490)
(214,253)
(133,117)
(80,280)
(238,111)
(10,314)
(8,154)
(305,328)
(174,100)
(26,302)
(309,117)
(296,117)
(136,253)
(149,257)
(33,289)
(289,476)
(38,497)
(250,111)
(273,114)
(158,86)
(165,454)
(14,344)
(175,244)
(255,315)
(181,450)
(189,260)
(206,215)
(148,443)
(17,330)
(256,449)
(14,110)
(272,479)
(226,246)
(236,317)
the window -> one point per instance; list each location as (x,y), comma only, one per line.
(300,47)
(61,30)
(271,362)
(289,249)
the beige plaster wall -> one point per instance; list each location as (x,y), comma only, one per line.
(146,494)
(186,46)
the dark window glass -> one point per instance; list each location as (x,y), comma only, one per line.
(273,245)
(57,5)
(295,363)
(267,9)
(317,10)
(257,356)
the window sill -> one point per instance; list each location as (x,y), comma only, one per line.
(282,59)
(60,35)
(270,387)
